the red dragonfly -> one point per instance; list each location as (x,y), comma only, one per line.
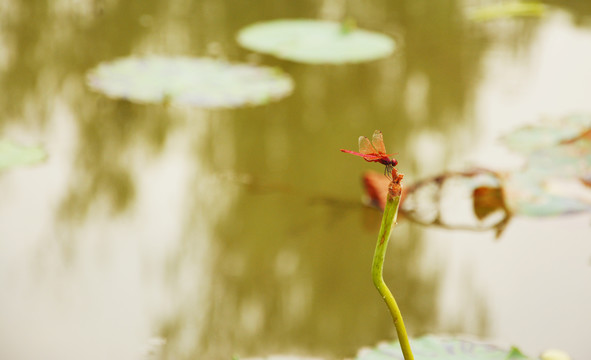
(374,151)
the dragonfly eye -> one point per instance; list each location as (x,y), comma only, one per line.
(394,162)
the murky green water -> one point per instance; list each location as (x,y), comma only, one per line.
(240,231)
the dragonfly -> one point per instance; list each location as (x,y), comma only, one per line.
(374,151)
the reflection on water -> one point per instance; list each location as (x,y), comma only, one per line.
(104,154)
(578,10)
(129,231)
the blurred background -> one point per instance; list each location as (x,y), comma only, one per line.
(205,234)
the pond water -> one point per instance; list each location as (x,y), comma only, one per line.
(241,232)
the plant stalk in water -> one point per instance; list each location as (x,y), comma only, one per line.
(388,222)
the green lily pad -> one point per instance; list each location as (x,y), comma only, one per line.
(508,10)
(557,151)
(440,348)
(12,154)
(315,41)
(572,159)
(526,194)
(534,137)
(200,82)
(527,191)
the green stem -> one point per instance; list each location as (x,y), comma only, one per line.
(388,222)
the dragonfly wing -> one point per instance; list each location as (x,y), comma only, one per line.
(365,146)
(378,142)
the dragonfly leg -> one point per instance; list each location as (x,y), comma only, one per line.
(388,171)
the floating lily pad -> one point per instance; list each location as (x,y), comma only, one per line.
(315,41)
(566,160)
(12,154)
(440,348)
(557,151)
(508,10)
(201,82)
(534,137)
(528,191)
(527,194)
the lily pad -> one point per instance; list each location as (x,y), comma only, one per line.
(441,348)
(529,195)
(201,82)
(315,41)
(557,151)
(572,159)
(12,154)
(528,192)
(508,10)
(550,133)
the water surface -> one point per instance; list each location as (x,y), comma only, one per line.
(241,231)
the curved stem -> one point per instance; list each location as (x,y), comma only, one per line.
(388,222)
